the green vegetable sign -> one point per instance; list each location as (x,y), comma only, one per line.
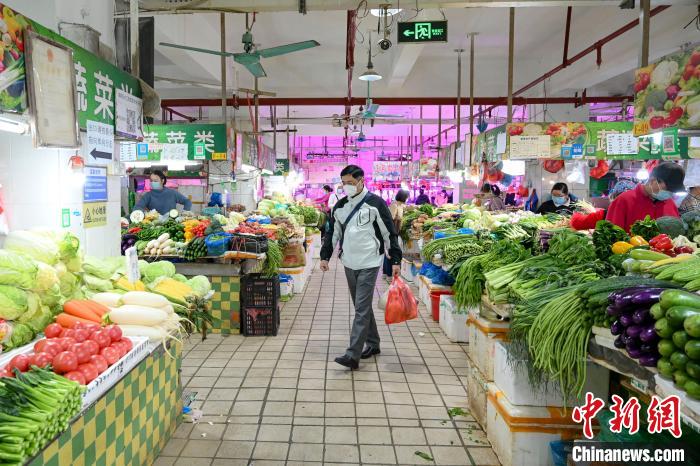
(487,144)
(197,142)
(667,93)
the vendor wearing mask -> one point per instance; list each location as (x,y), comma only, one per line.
(655,198)
(161,198)
(562,202)
(691,202)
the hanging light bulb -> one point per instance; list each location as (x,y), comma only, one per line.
(370,75)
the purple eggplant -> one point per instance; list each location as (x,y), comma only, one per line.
(634,331)
(612,311)
(619,344)
(626,338)
(616,328)
(640,316)
(635,353)
(647,297)
(626,320)
(615,294)
(649,360)
(624,299)
(647,348)
(632,343)
(649,335)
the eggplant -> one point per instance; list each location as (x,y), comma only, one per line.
(647,297)
(649,335)
(624,299)
(649,360)
(617,293)
(640,316)
(648,348)
(626,320)
(626,338)
(634,331)
(616,328)
(635,353)
(612,311)
(619,344)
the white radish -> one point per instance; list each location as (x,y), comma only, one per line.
(151,244)
(163,238)
(145,299)
(137,315)
(168,308)
(153,333)
(108,299)
(167,243)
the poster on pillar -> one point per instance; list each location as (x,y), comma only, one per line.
(488,147)
(667,93)
(203,141)
(13,96)
(256,154)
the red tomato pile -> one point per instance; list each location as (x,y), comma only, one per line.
(80,353)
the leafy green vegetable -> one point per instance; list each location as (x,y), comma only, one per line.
(96,283)
(17,270)
(150,272)
(646,228)
(33,245)
(21,335)
(102,268)
(200,284)
(46,277)
(604,236)
(423,455)
(13,302)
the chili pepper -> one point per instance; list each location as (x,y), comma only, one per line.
(683,250)
(661,242)
(134,230)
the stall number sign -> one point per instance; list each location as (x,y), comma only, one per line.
(94,214)
(422,31)
(95,188)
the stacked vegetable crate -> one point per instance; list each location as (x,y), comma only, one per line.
(260,312)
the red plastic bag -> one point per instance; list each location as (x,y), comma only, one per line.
(401,305)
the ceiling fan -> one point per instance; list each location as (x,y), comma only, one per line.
(362,138)
(251,56)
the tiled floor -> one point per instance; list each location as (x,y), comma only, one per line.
(282,400)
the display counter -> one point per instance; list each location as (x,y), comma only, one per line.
(130,423)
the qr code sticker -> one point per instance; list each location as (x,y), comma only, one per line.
(669,143)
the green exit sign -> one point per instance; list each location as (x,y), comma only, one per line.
(422,31)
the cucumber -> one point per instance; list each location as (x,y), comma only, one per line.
(657,312)
(663,329)
(692,388)
(693,369)
(646,255)
(680,338)
(667,348)
(665,367)
(677,315)
(679,360)
(681,378)
(692,349)
(687,275)
(671,298)
(692,325)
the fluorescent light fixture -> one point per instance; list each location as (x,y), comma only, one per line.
(379,12)
(370,75)
(13,126)
(642,174)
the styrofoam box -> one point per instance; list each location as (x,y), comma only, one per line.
(477,394)
(514,384)
(424,290)
(108,378)
(316,246)
(690,408)
(299,277)
(406,270)
(454,324)
(483,335)
(520,435)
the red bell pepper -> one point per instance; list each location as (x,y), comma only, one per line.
(661,242)
(683,250)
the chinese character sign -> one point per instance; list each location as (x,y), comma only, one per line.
(210,139)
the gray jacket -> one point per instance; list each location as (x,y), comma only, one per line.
(367,236)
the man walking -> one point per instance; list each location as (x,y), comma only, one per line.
(362,228)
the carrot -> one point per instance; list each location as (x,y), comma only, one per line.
(99,309)
(69,321)
(79,309)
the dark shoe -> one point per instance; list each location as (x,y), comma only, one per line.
(347,362)
(369,352)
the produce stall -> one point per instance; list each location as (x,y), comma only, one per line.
(564,312)
(279,237)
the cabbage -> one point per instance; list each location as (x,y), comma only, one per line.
(34,245)
(16,269)
(472,214)
(200,285)
(101,268)
(67,281)
(38,319)
(96,283)
(68,246)
(13,302)
(179,277)
(155,270)
(46,277)
(51,297)
(21,335)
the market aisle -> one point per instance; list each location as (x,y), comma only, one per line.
(271,400)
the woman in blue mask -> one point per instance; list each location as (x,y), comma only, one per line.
(561,203)
(161,198)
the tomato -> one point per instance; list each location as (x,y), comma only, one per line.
(111,354)
(676,113)
(99,362)
(66,343)
(81,335)
(89,371)
(91,327)
(21,362)
(65,361)
(121,349)
(81,352)
(656,122)
(42,359)
(6,372)
(70,333)
(115,333)
(52,346)
(92,346)
(127,343)
(695,58)
(75,376)
(53,331)
(102,338)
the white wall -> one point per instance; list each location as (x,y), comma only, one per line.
(37,185)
